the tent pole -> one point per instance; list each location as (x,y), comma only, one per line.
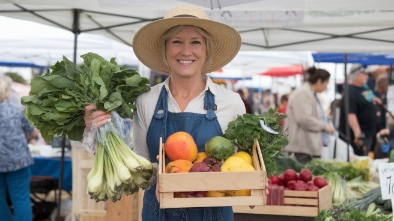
(334,108)
(346,100)
(76,31)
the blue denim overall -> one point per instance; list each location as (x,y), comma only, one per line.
(202,127)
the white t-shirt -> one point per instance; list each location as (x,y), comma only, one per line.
(229,106)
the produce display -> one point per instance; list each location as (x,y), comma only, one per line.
(354,195)
(219,156)
(56,104)
(303,181)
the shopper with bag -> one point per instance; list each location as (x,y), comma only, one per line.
(306,120)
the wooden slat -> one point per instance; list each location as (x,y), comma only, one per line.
(305,194)
(92,217)
(210,201)
(121,210)
(278,210)
(325,198)
(177,182)
(301,201)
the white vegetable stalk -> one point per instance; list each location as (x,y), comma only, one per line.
(117,169)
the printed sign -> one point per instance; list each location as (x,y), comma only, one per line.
(386,176)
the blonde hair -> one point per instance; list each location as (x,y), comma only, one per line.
(175,30)
(5,88)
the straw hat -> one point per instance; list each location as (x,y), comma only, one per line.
(226,40)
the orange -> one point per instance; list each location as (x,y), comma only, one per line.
(180,146)
(178,165)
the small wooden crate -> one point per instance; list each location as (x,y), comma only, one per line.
(86,209)
(210,181)
(297,203)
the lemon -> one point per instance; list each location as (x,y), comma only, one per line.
(244,156)
(236,163)
(214,193)
(238,192)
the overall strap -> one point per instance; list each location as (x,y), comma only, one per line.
(161,110)
(209,105)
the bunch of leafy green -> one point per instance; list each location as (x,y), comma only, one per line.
(57,99)
(246,128)
(342,212)
(347,171)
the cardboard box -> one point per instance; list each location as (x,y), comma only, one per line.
(206,181)
(296,203)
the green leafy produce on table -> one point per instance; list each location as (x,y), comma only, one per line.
(56,104)
(246,128)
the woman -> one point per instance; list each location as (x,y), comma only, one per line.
(15,157)
(306,120)
(185,45)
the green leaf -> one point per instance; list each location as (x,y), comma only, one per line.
(57,99)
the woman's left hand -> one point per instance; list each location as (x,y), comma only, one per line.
(94,116)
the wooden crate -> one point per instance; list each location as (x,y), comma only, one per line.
(206,181)
(297,203)
(86,209)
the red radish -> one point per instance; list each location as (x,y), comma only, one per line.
(300,186)
(290,184)
(306,175)
(320,182)
(281,178)
(274,180)
(313,188)
(310,183)
(289,175)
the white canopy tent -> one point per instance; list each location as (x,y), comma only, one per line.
(313,25)
(43,45)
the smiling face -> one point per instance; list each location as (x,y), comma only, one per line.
(186,52)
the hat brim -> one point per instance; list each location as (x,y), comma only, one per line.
(227,42)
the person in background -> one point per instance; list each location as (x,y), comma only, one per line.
(244,97)
(381,87)
(307,123)
(15,157)
(256,102)
(284,99)
(362,117)
(185,45)
(267,102)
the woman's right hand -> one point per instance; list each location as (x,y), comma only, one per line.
(382,132)
(98,117)
(329,129)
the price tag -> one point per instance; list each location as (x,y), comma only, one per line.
(267,128)
(386,177)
